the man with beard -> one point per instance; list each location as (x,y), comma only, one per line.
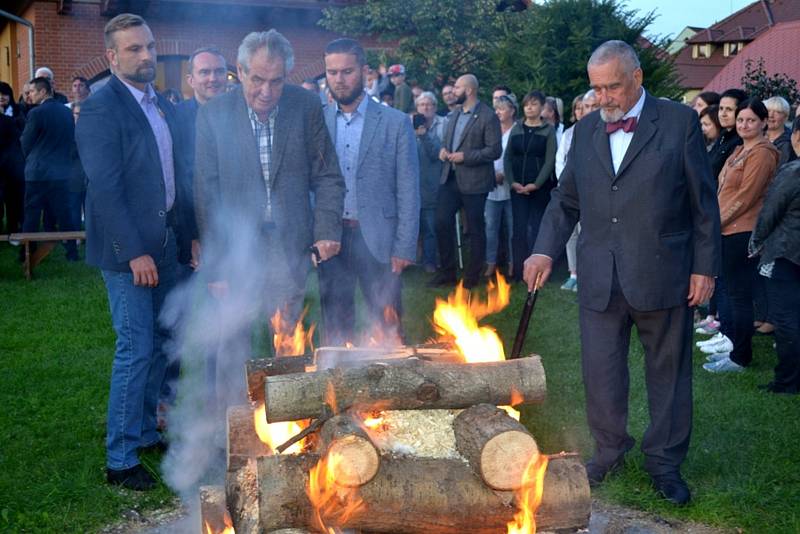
(472,141)
(449,99)
(128,143)
(378,158)
(639,183)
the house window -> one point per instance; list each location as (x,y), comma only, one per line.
(731,49)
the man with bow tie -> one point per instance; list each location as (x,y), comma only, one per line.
(640,185)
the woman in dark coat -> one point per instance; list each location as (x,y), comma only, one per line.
(12,161)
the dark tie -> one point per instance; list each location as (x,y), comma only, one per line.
(626,125)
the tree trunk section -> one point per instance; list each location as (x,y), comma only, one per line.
(257,370)
(359,458)
(408,384)
(497,447)
(415,496)
(212,509)
(243,442)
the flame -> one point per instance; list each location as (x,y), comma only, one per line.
(276,434)
(228,526)
(529,496)
(291,341)
(373,421)
(383,334)
(516,398)
(330,398)
(456,320)
(332,503)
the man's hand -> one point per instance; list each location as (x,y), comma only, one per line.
(456,157)
(536,265)
(444,155)
(144,271)
(327,250)
(399,264)
(194,263)
(701,288)
(499,178)
(422,130)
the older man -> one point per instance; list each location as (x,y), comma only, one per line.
(378,159)
(472,141)
(648,253)
(429,143)
(262,150)
(45,72)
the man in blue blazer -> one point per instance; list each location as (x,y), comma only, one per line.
(378,157)
(129,141)
(639,182)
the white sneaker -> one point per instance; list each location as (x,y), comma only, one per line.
(718,356)
(713,339)
(726,365)
(724,345)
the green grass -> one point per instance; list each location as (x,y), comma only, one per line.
(56,348)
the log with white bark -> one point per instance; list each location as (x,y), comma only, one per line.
(408,495)
(212,509)
(258,369)
(358,457)
(243,441)
(405,385)
(497,447)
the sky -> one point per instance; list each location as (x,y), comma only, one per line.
(674,15)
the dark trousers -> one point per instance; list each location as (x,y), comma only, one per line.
(783,292)
(381,288)
(449,202)
(12,198)
(51,199)
(739,272)
(526,212)
(666,337)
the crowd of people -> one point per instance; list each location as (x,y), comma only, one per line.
(367,174)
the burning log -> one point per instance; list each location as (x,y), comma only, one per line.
(243,441)
(408,495)
(212,509)
(405,385)
(496,446)
(359,459)
(257,370)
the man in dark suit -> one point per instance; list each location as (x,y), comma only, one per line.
(472,141)
(262,150)
(48,143)
(638,181)
(128,140)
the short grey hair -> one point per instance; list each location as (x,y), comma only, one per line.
(611,50)
(777,103)
(426,94)
(272,41)
(590,95)
(44,72)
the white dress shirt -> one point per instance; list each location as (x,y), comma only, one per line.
(619,141)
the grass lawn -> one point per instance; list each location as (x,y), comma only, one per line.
(56,347)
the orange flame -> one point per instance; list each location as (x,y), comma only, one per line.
(529,496)
(456,320)
(228,526)
(516,398)
(291,341)
(276,434)
(333,504)
(330,398)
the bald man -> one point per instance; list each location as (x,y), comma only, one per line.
(472,142)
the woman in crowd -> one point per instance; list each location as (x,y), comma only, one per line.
(551,113)
(577,108)
(429,142)
(498,202)
(777,132)
(12,161)
(709,124)
(528,163)
(742,185)
(728,138)
(776,238)
(704,100)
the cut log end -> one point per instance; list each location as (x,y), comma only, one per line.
(505,457)
(358,460)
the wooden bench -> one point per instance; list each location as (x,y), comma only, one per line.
(48,242)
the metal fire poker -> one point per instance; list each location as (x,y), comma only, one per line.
(525,319)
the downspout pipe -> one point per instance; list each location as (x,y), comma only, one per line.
(29,24)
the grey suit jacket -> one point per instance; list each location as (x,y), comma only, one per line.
(387,181)
(481,143)
(657,218)
(228,181)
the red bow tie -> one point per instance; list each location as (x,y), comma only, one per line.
(626,125)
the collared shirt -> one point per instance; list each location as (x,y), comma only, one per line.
(619,141)
(149,103)
(263,133)
(461,125)
(349,127)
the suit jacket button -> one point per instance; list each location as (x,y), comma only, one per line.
(614,220)
(161,213)
(614,188)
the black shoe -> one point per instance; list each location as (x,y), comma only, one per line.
(596,472)
(442,280)
(672,488)
(772,387)
(136,478)
(159,446)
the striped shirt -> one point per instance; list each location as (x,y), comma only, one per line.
(263,134)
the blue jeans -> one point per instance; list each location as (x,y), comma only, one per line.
(139,360)
(427,232)
(173,370)
(495,212)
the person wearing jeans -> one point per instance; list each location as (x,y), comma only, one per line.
(498,203)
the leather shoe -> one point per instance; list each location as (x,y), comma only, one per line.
(597,472)
(159,446)
(672,488)
(135,478)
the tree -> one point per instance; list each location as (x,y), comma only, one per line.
(757,83)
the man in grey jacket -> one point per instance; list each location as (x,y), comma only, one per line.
(378,158)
